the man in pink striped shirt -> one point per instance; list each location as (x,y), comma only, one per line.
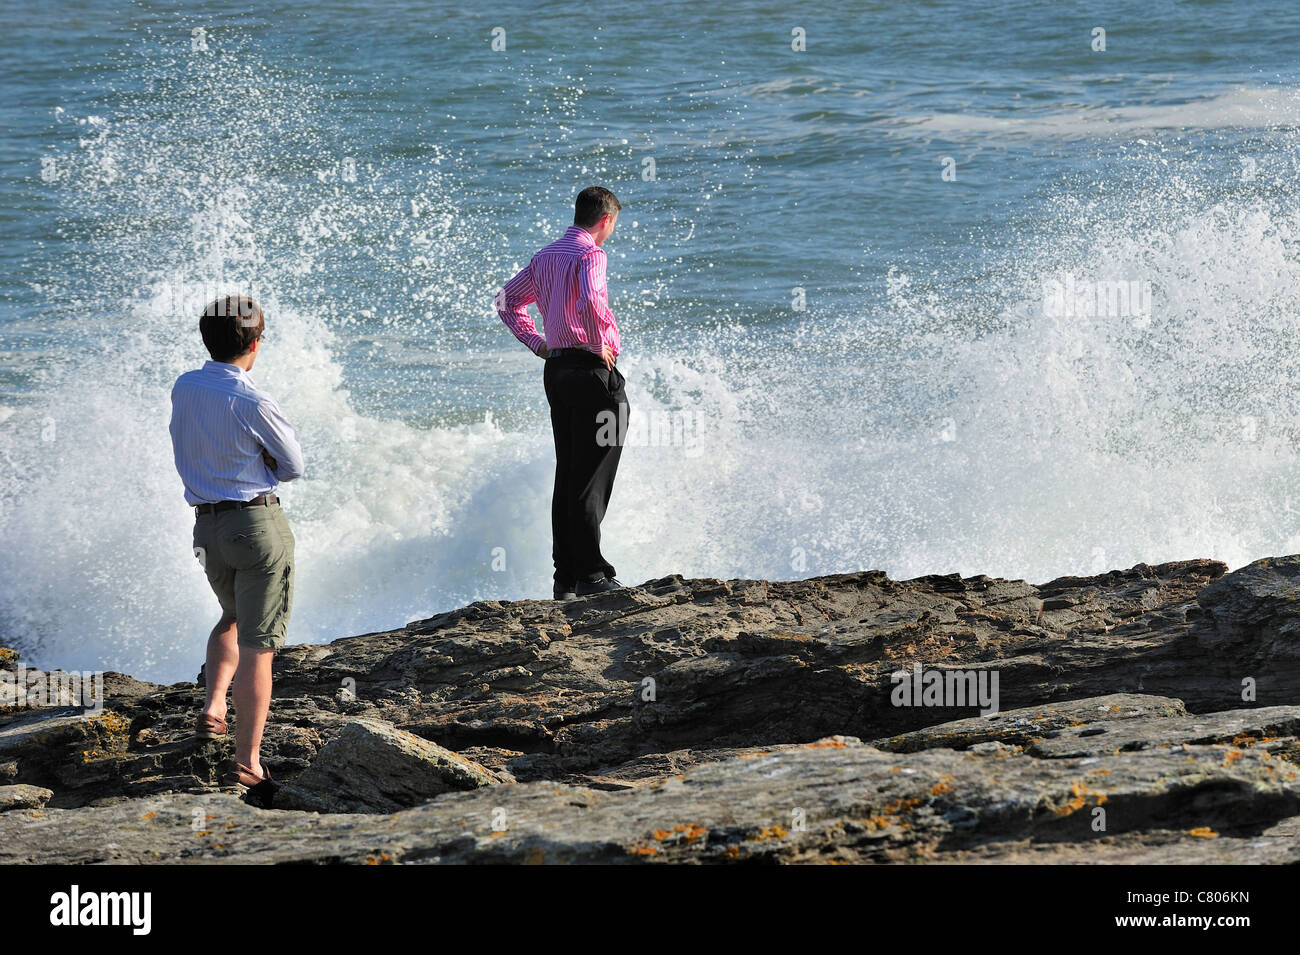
(583,385)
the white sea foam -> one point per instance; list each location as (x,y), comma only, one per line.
(1240,108)
(964,432)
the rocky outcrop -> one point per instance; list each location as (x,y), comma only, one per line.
(23,797)
(373,767)
(690,719)
(834,800)
(1018,727)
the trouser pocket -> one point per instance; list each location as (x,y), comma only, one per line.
(612,380)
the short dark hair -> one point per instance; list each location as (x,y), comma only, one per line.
(230,325)
(594,203)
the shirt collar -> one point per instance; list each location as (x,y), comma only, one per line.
(226,369)
(581,234)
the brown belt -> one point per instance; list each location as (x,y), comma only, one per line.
(261,499)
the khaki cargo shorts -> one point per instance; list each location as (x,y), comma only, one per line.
(248,556)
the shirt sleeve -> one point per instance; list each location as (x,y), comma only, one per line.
(270,428)
(593,298)
(512,305)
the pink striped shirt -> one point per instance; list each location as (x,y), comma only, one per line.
(567,281)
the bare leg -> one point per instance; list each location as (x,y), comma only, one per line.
(252,702)
(223,656)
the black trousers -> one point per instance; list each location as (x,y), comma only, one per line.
(589,412)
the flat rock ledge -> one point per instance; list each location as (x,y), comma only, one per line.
(373,767)
(1149,715)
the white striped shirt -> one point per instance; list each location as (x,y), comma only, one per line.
(220,425)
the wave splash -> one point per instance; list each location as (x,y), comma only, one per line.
(948,431)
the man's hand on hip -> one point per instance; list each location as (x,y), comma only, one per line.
(542,350)
(607,355)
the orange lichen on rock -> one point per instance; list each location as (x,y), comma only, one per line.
(1079,797)
(901,805)
(692,832)
(1203,832)
(944,785)
(109,735)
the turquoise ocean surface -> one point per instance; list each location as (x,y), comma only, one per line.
(843,229)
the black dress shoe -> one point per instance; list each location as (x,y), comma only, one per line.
(586,588)
(564,592)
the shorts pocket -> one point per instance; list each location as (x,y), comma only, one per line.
(253,544)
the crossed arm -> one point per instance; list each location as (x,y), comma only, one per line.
(281,452)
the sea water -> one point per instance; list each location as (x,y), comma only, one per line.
(839,274)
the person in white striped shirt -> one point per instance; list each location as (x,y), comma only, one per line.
(232,447)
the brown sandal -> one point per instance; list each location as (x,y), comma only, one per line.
(248,779)
(259,790)
(209,727)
